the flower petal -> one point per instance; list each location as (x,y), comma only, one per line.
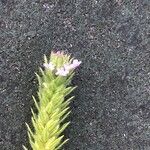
(62,72)
(49,66)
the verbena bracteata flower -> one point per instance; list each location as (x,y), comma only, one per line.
(52,105)
(61,64)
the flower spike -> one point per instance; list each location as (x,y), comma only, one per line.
(52,105)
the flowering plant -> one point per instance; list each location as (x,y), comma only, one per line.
(52,106)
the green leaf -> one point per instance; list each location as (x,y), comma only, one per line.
(35,102)
(57,148)
(33,114)
(66,103)
(24,147)
(45,59)
(57,114)
(39,79)
(64,117)
(64,126)
(69,90)
(29,130)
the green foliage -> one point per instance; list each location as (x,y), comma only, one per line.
(52,105)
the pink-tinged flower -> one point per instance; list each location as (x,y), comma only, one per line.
(75,63)
(62,72)
(49,66)
(67,66)
(58,53)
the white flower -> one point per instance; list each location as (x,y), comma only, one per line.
(76,63)
(62,72)
(67,66)
(49,66)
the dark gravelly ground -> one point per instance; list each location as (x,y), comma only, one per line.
(112,106)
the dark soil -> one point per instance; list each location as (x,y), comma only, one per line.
(111,110)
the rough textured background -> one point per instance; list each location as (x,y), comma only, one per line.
(112,106)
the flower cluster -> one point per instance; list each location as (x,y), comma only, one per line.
(66,65)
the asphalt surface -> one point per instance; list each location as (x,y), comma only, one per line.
(111,110)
